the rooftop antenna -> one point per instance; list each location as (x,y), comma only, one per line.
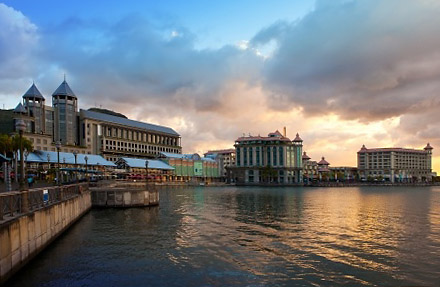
(64,77)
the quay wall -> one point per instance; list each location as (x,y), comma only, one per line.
(124,197)
(25,235)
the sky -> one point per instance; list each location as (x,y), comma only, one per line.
(341,73)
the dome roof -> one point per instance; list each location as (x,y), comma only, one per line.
(33,92)
(64,90)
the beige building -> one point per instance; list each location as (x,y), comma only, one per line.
(395,164)
(116,136)
(93,131)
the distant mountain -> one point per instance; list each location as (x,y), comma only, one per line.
(108,112)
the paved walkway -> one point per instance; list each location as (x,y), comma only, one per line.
(15,186)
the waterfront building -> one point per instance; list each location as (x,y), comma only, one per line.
(93,131)
(42,163)
(313,170)
(272,159)
(344,173)
(310,169)
(225,159)
(135,168)
(65,107)
(115,136)
(395,164)
(191,167)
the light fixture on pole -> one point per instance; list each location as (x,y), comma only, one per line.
(86,158)
(20,126)
(58,146)
(75,154)
(146,172)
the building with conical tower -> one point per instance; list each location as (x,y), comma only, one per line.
(65,104)
(92,131)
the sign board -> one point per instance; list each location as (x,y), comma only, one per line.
(45,195)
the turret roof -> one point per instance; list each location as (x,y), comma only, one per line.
(297,138)
(20,109)
(428,146)
(305,156)
(33,92)
(323,162)
(64,90)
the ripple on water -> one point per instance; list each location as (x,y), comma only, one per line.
(252,237)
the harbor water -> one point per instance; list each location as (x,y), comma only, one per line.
(243,236)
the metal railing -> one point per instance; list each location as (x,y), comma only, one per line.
(20,202)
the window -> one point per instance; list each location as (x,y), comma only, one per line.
(250,156)
(281,156)
(238,156)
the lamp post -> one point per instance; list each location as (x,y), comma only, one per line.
(146,172)
(20,126)
(58,146)
(75,154)
(48,165)
(86,158)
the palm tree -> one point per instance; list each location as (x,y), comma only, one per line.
(10,145)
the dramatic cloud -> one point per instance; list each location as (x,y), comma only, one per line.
(346,74)
(360,59)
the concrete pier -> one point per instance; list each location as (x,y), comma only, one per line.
(34,219)
(125,195)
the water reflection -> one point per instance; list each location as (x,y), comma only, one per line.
(253,237)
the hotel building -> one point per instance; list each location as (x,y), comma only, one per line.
(395,164)
(272,159)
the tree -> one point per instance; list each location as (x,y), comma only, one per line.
(267,173)
(27,144)
(10,145)
(5,144)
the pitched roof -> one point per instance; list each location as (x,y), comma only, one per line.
(140,163)
(64,90)
(68,158)
(192,156)
(275,134)
(20,109)
(33,92)
(127,122)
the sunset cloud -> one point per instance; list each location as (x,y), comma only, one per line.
(345,74)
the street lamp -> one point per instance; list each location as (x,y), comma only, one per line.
(146,172)
(20,126)
(75,154)
(86,158)
(58,146)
